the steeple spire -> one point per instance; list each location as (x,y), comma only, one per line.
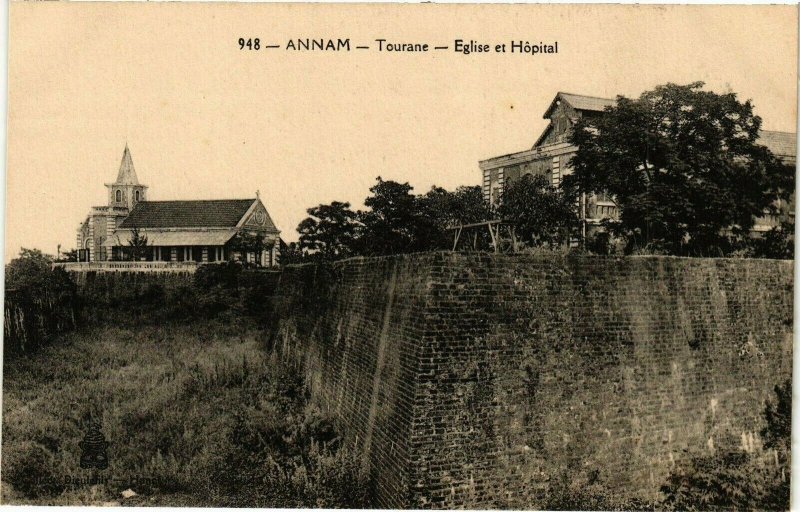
(127,174)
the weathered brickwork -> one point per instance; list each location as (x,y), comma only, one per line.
(474,380)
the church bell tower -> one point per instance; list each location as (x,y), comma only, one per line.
(126,191)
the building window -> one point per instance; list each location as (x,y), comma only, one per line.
(118,196)
(495,197)
(137,195)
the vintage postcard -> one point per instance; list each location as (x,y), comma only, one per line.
(399,256)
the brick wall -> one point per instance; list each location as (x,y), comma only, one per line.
(476,380)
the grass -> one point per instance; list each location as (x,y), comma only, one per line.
(194,414)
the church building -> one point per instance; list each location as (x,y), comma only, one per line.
(204,231)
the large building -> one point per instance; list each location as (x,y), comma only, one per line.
(551,153)
(176,231)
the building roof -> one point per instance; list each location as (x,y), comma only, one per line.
(216,213)
(176,238)
(781,144)
(127,174)
(580,102)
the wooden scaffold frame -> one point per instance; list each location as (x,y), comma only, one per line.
(502,235)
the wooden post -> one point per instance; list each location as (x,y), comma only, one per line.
(494,238)
(457,236)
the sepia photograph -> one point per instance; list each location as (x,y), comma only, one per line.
(399,256)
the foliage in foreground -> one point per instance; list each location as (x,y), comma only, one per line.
(542,215)
(740,480)
(40,302)
(194,415)
(720,482)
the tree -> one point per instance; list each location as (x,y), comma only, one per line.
(440,209)
(684,167)
(777,243)
(31,270)
(391,224)
(541,214)
(247,242)
(68,256)
(290,253)
(137,244)
(330,231)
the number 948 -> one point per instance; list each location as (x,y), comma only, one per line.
(250,44)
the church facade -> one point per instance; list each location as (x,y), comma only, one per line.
(132,229)
(551,153)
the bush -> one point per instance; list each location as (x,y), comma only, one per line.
(223,275)
(733,481)
(739,480)
(574,490)
(41,302)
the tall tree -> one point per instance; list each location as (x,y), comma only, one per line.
(684,167)
(330,231)
(541,214)
(391,224)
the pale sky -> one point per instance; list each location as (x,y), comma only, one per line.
(205,120)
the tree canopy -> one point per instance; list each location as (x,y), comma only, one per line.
(330,231)
(542,215)
(395,221)
(684,167)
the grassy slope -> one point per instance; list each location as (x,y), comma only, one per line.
(194,414)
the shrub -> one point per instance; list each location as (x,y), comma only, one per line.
(574,490)
(732,481)
(739,480)
(41,302)
(224,275)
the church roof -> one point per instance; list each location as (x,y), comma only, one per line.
(186,237)
(216,213)
(127,174)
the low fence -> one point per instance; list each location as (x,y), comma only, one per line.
(130,266)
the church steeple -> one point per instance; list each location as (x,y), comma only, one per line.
(127,174)
(126,191)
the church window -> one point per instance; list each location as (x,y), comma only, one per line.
(118,197)
(137,195)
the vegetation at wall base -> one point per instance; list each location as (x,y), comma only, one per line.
(738,480)
(723,481)
(195,415)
